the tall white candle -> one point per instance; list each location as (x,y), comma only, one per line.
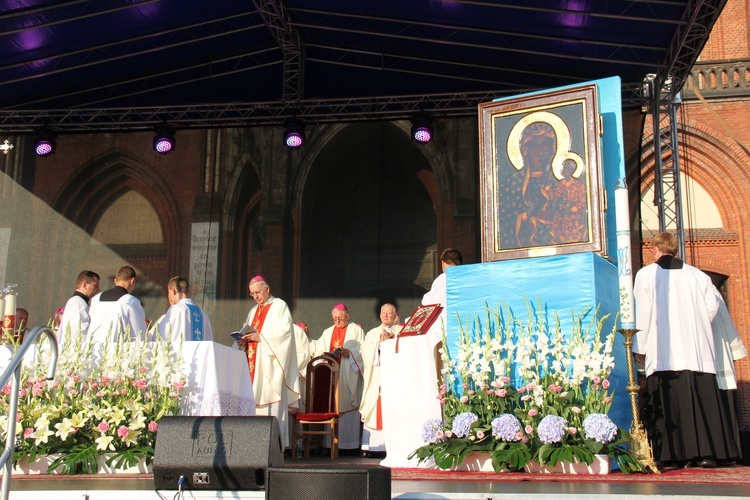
(9,319)
(624,263)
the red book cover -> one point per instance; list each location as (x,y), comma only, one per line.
(420,320)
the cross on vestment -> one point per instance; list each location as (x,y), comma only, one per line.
(6,146)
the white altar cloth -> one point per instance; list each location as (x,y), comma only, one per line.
(218,381)
(409,396)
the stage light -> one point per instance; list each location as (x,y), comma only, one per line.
(46,143)
(164,139)
(294,136)
(421,130)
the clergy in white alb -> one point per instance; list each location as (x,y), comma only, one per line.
(370,407)
(115,313)
(344,339)
(184,320)
(675,304)
(272,356)
(437,294)
(74,324)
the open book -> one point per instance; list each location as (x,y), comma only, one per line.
(237,336)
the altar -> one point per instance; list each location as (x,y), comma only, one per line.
(218,381)
(409,395)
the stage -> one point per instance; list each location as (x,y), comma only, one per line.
(720,483)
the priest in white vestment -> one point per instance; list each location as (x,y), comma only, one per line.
(184,320)
(675,304)
(344,339)
(74,324)
(370,407)
(272,356)
(438,292)
(116,313)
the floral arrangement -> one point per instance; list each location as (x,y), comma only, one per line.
(105,402)
(527,393)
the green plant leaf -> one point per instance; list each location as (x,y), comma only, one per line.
(80,460)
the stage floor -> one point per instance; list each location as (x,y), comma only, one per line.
(412,484)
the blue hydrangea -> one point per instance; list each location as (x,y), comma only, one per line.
(506,427)
(552,429)
(430,429)
(599,427)
(462,423)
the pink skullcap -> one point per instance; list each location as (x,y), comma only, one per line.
(340,307)
(302,325)
(258,278)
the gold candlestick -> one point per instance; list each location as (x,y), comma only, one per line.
(639,443)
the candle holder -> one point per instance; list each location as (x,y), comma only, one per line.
(639,443)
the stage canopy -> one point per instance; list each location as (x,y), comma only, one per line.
(110,65)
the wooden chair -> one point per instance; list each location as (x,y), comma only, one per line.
(321,415)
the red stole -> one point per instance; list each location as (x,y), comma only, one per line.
(252,347)
(337,338)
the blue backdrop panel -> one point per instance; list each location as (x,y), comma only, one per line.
(564,283)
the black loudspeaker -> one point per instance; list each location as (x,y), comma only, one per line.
(346,482)
(216,453)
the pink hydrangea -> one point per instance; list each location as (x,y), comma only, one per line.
(153,426)
(103,427)
(122,431)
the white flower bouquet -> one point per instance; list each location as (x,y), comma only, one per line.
(106,399)
(527,393)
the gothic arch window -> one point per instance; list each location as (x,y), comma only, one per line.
(129,220)
(369,226)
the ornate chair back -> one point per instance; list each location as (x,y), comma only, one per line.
(321,415)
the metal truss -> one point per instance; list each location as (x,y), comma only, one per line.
(276,17)
(689,40)
(663,105)
(258,114)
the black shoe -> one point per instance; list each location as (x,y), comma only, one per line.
(667,466)
(706,463)
(726,463)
